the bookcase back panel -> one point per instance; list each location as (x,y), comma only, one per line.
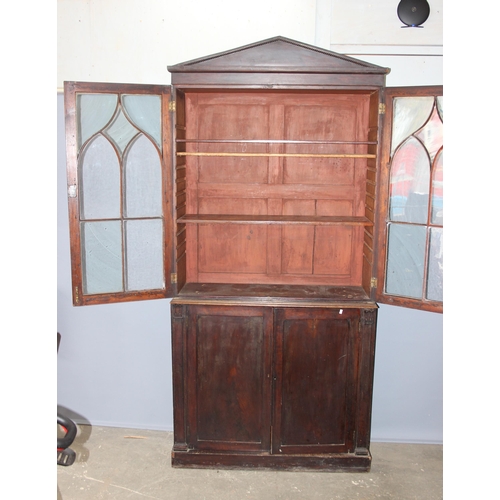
(279,154)
(243,206)
(230,248)
(261,253)
(336,171)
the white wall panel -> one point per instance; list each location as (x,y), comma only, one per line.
(376,23)
(409,70)
(133,41)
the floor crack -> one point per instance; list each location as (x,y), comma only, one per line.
(121,487)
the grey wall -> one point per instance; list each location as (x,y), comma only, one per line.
(114,361)
(114,365)
(408,385)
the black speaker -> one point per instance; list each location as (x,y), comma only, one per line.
(413,13)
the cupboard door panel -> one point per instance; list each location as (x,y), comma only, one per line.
(315,380)
(229,363)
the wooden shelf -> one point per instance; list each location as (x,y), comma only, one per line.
(286,155)
(273,219)
(285,295)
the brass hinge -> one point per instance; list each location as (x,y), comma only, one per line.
(381,108)
(77,295)
(173,278)
(373,282)
(171,106)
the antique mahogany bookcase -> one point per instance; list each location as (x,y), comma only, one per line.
(270,156)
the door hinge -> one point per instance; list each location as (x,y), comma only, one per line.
(373,282)
(381,108)
(173,278)
(171,106)
(77,295)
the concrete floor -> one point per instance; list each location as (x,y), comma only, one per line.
(133,464)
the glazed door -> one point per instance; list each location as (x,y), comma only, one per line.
(119,175)
(229,378)
(315,380)
(409,240)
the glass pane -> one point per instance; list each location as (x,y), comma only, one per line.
(410,114)
(435,274)
(431,135)
(94,111)
(409,183)
(100,181)
(121,131)
(439,101)
(102,257)
(437,191)
(142,179)
(144,243)
(145,112)
(405,263)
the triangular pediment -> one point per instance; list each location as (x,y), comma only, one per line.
(278,55)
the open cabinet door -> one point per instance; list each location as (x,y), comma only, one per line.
(410,215)
(120,196)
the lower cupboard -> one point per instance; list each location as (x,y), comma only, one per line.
(282,387)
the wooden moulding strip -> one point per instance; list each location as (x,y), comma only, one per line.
(286,155)
(277,302)
(271,141)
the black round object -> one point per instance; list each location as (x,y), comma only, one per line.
(413,12)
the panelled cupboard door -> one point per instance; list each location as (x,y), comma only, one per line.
(229,378)
(315,381)
(119,150)
(410,200)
